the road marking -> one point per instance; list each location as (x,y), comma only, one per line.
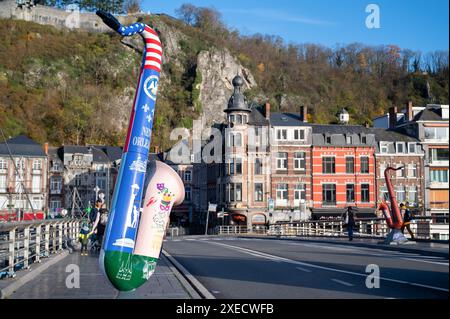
(303,269)
(342,282)
(295,262)
(427,261)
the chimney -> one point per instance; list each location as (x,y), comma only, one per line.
(304,113)
(46,148)
(156,149)
(392,116)
(409,111)
(366,125)
(267,110)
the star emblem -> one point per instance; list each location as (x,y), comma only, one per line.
(145,108)
(149,118)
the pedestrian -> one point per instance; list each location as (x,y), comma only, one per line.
(84,238)
(407,217)
(349,221)
(101,220)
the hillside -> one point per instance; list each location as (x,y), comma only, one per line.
(62,86)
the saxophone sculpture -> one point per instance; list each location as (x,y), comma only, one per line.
(393,217)
(134,235)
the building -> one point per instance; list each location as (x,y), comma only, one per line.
(56,198)
(290,171)
(23,175)
(431,127)
(343,169)
(394,149)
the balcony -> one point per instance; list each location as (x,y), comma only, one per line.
(55,191)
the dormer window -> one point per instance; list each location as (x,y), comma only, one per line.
(384,148)
(348,139)
(412,148)
(231,119)
(400,148)
(281,134)
(239,119)
(363,139)
(328,139)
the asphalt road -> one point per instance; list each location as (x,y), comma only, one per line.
(270,269)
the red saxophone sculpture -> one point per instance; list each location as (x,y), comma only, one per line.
(393,217)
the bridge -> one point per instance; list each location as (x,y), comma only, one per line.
(293,261)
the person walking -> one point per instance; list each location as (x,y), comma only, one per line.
(407,217)
(349,221)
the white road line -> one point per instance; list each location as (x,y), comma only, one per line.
(342,282)
(295,262)
(427,261)
(303,269)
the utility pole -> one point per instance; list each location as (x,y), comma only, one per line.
(207,218)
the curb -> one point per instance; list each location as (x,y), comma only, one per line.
(188,278)
(32,274)
(374,246)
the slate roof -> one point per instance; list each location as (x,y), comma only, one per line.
(392,136)
(428,115)
(71,149)
(339,129)
(256,116)
(287,119)
(22,145)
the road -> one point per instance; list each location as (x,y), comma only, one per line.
(270,269)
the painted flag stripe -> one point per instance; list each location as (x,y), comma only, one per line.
(153,55)
(153,59)
(154,63)
(151,41)
(151,46)
(151,67)
(148,35)
(148,29)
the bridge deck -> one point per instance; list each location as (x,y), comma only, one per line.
(51,283)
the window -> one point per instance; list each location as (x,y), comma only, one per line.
(300,161)
(350,165)
(258,166)
(436,133)
(235,166)
(363,139)
(238,163)
(239,119)
(2,183)
(231,119)
(20,163)
(234,192)
(188,176)
(282,161)
(329,194)
(384,148)
(78,160)
(55,183)
(37,203)
(439,176)
(55,205)
(36,183)
(281,134)
(350,193)
(411,148)
(258,192)
(412,194)
(384,193)
(412,170)
(282,192)
(187,193)
(401,172)
(238,188)
(365,195)
(55,166)
(299,135)
(235,139)
(328,165)
(300,193)
(348,139)
(36,165)
(364,165)
(382,169)
(3,164)
(438,154)
(400,193)
(400,148)
(328,139)
(101,183)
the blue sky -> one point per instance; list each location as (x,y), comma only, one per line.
(413,24)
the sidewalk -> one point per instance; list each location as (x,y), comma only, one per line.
(431,249)
(166,283)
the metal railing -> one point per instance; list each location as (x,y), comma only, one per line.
(422,228)
(24,243)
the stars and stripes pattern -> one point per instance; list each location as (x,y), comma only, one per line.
(153,46)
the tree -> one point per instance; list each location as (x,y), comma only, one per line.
(188,13)
(132,6)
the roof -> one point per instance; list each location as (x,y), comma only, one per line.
(256,117)
(428,115)
(22,145)
(392,135)
(287,119)
(237,100)
(112,152)
(98,156)
(75,149)
(340,129)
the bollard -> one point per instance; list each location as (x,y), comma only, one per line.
(26,247)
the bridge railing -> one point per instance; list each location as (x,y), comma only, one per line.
(24,243)
(422,228)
